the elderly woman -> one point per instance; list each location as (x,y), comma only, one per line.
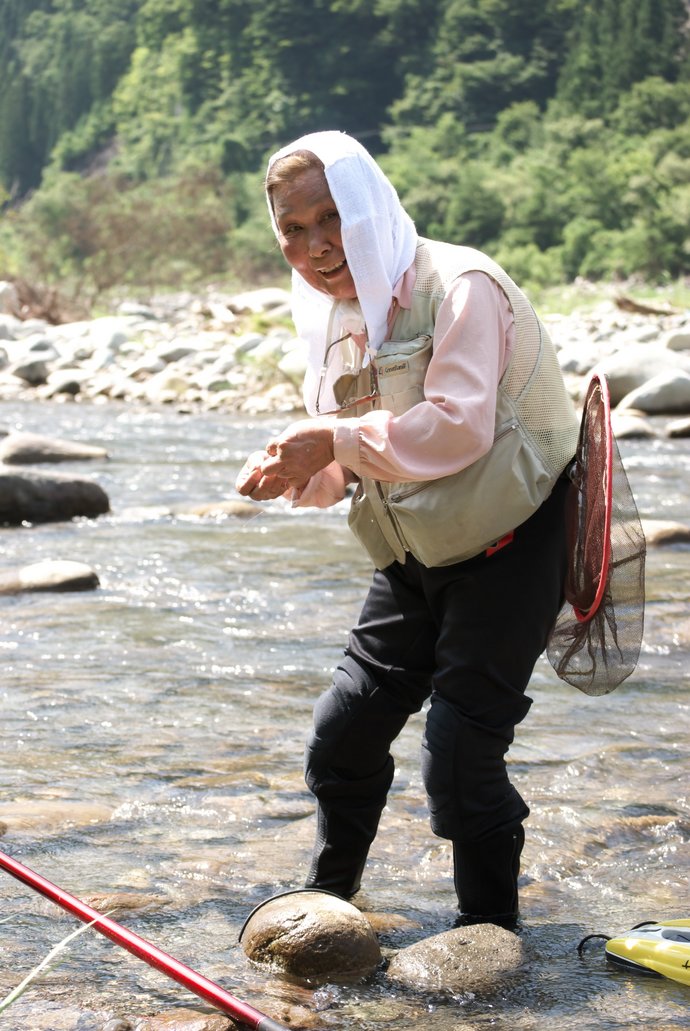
(433,387)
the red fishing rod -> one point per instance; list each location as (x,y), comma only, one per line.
(143,949)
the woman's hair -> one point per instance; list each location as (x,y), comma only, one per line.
(284,169)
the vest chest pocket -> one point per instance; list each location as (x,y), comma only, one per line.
(401,371)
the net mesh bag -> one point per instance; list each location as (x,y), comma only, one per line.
(595,642)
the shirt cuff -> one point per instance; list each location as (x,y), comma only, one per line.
(346,444)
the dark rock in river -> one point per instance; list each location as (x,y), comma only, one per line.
(32,497)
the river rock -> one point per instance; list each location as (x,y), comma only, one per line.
(669,392)
(464,959)
(678,428)
(48,576)
(67,381)
(259,301)
(9,326)
(136,308)
(677,340)
(312,935)
(33,371)
(627,425)
(578,358)
(40,497)
(29,328)
(628,369)
(30,448)
(659,532)
(293,364)
(110,332)
(41,346)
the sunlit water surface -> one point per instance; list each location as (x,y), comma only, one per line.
(174,702)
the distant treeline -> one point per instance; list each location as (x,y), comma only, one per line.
(134,133)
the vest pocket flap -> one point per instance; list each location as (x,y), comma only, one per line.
(391,348)
(402,358)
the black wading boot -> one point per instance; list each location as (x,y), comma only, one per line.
(486,876)
(341,849)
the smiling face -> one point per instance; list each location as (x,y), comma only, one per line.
(309,233)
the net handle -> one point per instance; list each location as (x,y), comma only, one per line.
(599,382)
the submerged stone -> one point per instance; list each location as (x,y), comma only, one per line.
(27,448)
(185,1020)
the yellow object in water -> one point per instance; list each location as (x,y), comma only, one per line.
(660,949)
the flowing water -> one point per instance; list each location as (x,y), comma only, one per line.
(152,736)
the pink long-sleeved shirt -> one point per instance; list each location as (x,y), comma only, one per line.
(454,426)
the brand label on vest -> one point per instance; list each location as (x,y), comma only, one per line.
(394,369)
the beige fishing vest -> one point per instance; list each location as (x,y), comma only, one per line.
(453,518)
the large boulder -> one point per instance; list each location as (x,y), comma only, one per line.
(630,368)
(37,497)
(313,935)
(665,394)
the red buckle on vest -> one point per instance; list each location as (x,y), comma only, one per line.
(500,543)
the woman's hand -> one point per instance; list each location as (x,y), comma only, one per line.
(252,482)
(300,451)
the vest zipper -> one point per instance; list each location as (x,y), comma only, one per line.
(401,495)
(391,518)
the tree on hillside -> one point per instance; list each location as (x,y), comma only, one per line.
(61,58)
(232,79)
(487,54)
(616,43)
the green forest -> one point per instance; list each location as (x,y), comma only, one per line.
(554,134)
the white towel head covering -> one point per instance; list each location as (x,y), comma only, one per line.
(379,240)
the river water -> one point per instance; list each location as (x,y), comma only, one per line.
(152,730)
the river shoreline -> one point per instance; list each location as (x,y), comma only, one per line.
(238,353)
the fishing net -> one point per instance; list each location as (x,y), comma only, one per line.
(595,642)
